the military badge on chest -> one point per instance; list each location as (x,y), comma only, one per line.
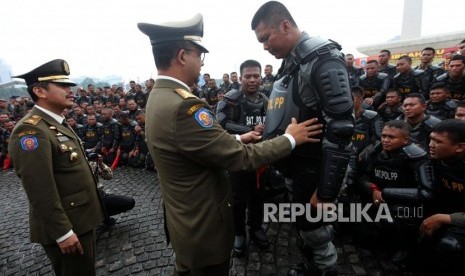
(65,146)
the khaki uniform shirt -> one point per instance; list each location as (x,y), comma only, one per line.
(192,153)
(56,177)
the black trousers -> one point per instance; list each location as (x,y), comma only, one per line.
(246,197)
(76,264)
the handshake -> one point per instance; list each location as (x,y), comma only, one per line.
(302,133)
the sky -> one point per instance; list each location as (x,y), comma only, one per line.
(101,38)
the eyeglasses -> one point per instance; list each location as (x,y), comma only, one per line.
(201,54)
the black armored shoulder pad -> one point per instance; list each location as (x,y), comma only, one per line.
(431,121)
(369,114)
(363,77)
(434,67)
(442,77)
(310,45)
(79,126)
(382,76)
(113,120)
(99,124)
(234,95)
(417,72)
(133,123)
(396,75)
(262,95)
(414,151)
(451,104)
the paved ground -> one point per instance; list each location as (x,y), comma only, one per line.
(135,245)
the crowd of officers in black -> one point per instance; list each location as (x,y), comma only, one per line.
(396,108)
(397,160)
(109,121)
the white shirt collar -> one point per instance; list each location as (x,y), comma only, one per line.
(58,118)
(162,77)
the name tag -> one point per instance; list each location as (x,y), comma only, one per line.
(63,138)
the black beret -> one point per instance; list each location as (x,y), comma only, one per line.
(189,30)
(53,71)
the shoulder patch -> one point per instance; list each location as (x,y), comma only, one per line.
(29,143)
(33,120)
(27,132)
(194,108)
(204,118)
(184,93)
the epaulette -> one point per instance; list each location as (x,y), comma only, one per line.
(451,104)
(442,77)
(369,114)
(184,93)
(234,95)
(413,151)
(382,76)
(431,121)
(33,120)
(417,72)
(434,67)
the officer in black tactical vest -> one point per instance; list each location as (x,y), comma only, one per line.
(454,77)
(234,82)
(367,131)
(268,79)
(444,230)
(242,111)
(439,105)
(355,72)
(384,67)
(312,82)
(142,157)
(374,84)
(93,132)
(79,115)
(392,107)
(393,167)
(139,96)
(408,80)
(77,128)
(368,124)
(210,95)
(460,111)
(110,137)
(127,142)
(112,98)
(414,107)
(430,72)
(83,97)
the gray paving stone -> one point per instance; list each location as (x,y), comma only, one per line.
(136,245)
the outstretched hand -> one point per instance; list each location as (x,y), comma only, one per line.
(305,131)
(251,137)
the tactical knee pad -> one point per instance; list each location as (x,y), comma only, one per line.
(318,241)
(317,237)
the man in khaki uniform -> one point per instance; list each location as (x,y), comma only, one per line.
(64,207)
(192,152)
